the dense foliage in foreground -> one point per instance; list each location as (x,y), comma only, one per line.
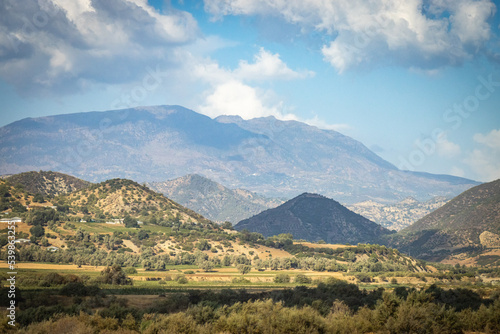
(332,307)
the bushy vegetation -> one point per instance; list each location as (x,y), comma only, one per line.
(332,307)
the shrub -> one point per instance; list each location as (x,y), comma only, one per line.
(362,277)
(282,278)
(130,270)
(115,275)
(181,279)
(303,279)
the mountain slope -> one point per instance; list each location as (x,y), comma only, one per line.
(271,157)
(119,197)
(470,221)
(212,199)
(314,217)
(48,183)
(399,215)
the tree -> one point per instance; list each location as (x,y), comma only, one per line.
(243,268)
(37,231)
(226,261)
(282,278)
(203,245)
(302,279)
(142,235)
(38,198)
(206,265)
(227,225)
(115,275)
(130,222)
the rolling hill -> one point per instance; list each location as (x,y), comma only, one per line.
(314,217)
(212,199)
(48,183)
(469,223)
(117,198)
(264,155)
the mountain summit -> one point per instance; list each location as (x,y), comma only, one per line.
(212,199)
(264,155)
(314,217)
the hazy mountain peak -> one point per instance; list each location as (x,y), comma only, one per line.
(229,119)
(213,200)
(264,155)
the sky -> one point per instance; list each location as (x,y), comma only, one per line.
(416,81)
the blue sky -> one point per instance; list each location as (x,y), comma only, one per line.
(416,81)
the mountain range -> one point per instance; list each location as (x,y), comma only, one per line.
(314,217)
(213,200)
(264,155)
(397,216)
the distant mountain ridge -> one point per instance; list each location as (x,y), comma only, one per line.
(264,155)
(398,215)
(212,199)
(314,217)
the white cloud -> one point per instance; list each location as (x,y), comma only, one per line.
(491,139)
(316,121)
(236,98)
(485,160)
(268,66)
(446,148)
(59,46)
(413,33)
(230,93)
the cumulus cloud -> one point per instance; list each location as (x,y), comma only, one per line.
(446,148)
(61,46)
(235,98)
(485,159)
(492,139)
(268,66)
(231,94)
(317,122)
(417,34)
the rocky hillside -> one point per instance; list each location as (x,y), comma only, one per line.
(314,217)
(469,222)
(119,197)
(212,199)
(48,183)
(399,215)
(271,157)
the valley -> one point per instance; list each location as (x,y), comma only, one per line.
(121,249)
